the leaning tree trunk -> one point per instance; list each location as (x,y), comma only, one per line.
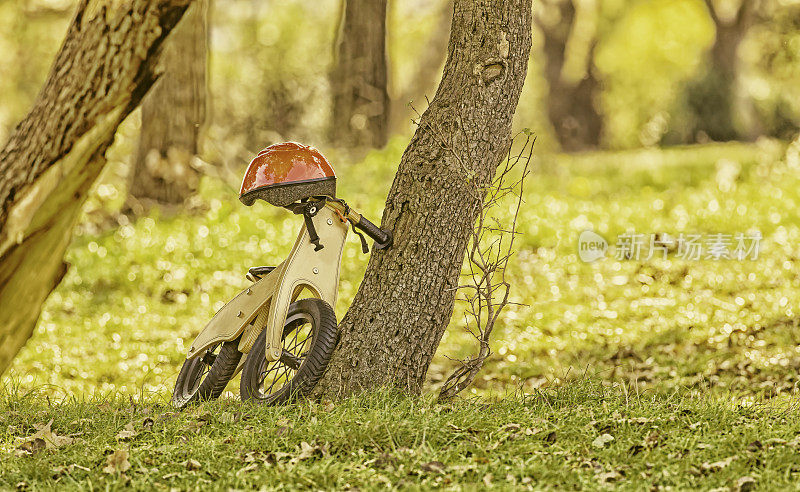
(173,113)
(358,82)
(571,105)
(405,301)
(104,67)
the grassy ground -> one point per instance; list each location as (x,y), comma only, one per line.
(709,348)
(581,435)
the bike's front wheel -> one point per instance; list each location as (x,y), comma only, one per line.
(309,337)
(205,376)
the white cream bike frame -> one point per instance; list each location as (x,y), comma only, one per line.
(313,266)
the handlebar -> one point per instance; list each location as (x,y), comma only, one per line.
(383,239)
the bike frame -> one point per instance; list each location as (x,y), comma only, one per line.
(264,304)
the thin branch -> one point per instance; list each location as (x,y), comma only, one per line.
(490,249)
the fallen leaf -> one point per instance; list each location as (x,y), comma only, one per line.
(745,484)
(433,467)
(717,465)
(607,477)
(117,462)
(652,440)
(306,451)
(127,432)
(192,465)
(385,460)
(510,427)
(601,440)
(755,446)
(248,468)
(44,438)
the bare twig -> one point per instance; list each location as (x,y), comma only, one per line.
(490,249)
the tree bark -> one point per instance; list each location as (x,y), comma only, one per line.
(173,114)
(712,97)
(571,105)
(404,304)
(104,67)
(358,82)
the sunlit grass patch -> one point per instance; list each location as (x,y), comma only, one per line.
(586,433)
(136,295)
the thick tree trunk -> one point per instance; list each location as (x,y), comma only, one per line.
(173,114)
(105,66)
(713,96)
(405,301)
(571,105)
(358,82)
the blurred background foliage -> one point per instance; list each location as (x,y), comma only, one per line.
(142,286)
(269,66)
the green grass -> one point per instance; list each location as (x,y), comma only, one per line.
(137,294)
(547,440)
(702,356)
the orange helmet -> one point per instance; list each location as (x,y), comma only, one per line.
(285,173)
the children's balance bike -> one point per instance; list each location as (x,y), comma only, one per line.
(280,332)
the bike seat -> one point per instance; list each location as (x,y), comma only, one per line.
(259,271)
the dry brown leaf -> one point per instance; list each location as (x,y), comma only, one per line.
(652,440)
(717,465)
(248,468)
(745,484)
(44,438)
(117,462)
(510,427)
(601,440)
(607,477)
(306,451)
(126,433)
(433,467)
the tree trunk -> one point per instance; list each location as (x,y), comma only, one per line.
(405,301)
(358,83)
(173,114)
(712,97)
(571,105)
(104,67)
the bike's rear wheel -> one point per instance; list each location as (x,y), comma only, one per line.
(205,376)
(309,338)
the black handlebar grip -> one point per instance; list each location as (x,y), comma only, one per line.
(383,239)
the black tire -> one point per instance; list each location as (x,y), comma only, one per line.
(205,376)
(302,363)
